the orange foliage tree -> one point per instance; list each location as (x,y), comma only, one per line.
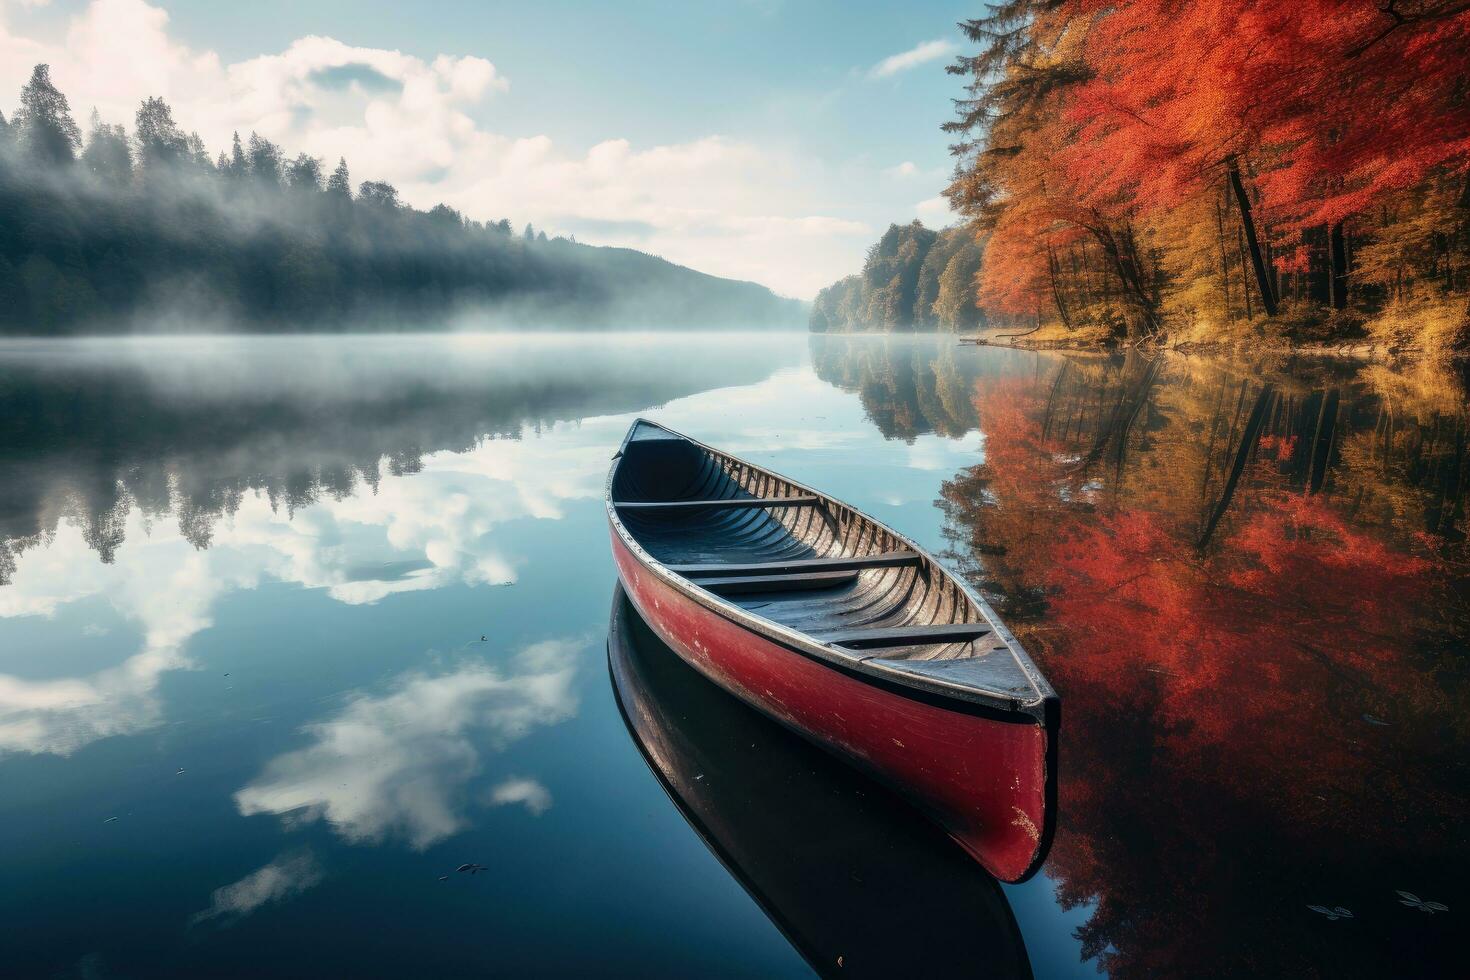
(1131,120)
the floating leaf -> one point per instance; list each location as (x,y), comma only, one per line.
(1415,902)
(1333,914)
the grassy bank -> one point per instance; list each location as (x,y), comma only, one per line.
(1428,332)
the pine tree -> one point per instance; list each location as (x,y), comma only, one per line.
(107,155)
(44,124)
(378,193)
(265,162)
(162,145)
(304,173)
(238,168)
(340,183)
(198,155)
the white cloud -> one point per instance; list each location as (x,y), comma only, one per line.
(915,56)
(934,209)
(906,169)
(528,792)
(397,764)
(287,875)
(719,204)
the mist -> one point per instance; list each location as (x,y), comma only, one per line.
(119,232)
(212,419)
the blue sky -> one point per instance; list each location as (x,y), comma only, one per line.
(753,138)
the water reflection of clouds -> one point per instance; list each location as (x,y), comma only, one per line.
(398,764)
(285,876)
(168,588)
(412,532)
(530,793)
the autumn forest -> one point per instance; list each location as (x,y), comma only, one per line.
(1185,173)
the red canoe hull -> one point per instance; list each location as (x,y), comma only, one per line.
(980,774)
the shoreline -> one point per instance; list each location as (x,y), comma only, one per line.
(1362,350)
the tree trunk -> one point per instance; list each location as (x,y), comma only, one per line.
(1224,265)
(1322,441)
(1053,267)
(1263,281)
(1338,251)
(1128,277)
(1242,454)
(1246,292)
(1319,265)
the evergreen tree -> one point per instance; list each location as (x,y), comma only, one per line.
(198,155)
(378,193)
(340,183)
(265,162)
(529,234)
(162,146)
(46,130)
(446,216)
(304,173)
(238,168)
(107,155)
(91,241)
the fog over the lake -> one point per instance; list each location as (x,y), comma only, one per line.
(142,231)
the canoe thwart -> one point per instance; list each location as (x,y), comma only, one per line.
(788,582)
(730,503)
(903,636)
(887,559)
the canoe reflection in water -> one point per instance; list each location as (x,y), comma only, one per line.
(859,881)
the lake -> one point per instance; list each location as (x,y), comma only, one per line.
(294,629)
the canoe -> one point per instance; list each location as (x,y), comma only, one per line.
(843,630)
(822,849)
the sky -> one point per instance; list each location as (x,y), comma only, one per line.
(770,140)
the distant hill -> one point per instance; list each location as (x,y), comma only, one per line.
(914,278)
(142,231)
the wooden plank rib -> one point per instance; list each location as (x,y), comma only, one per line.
(887,559)
(798,582)
(732,503)
(902,636)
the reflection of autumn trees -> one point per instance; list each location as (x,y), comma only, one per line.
(1259,718)
(909,386)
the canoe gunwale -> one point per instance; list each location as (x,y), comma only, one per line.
(1043,708)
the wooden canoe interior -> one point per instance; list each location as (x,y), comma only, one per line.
(804,561)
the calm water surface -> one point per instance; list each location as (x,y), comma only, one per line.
(293,629)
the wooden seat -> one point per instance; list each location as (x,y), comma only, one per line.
(788,582)
(902,636)
(887,559)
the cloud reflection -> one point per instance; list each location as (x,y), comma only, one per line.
(354,549)
(397,765)
(431,526)
(287,875)
(528,792)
